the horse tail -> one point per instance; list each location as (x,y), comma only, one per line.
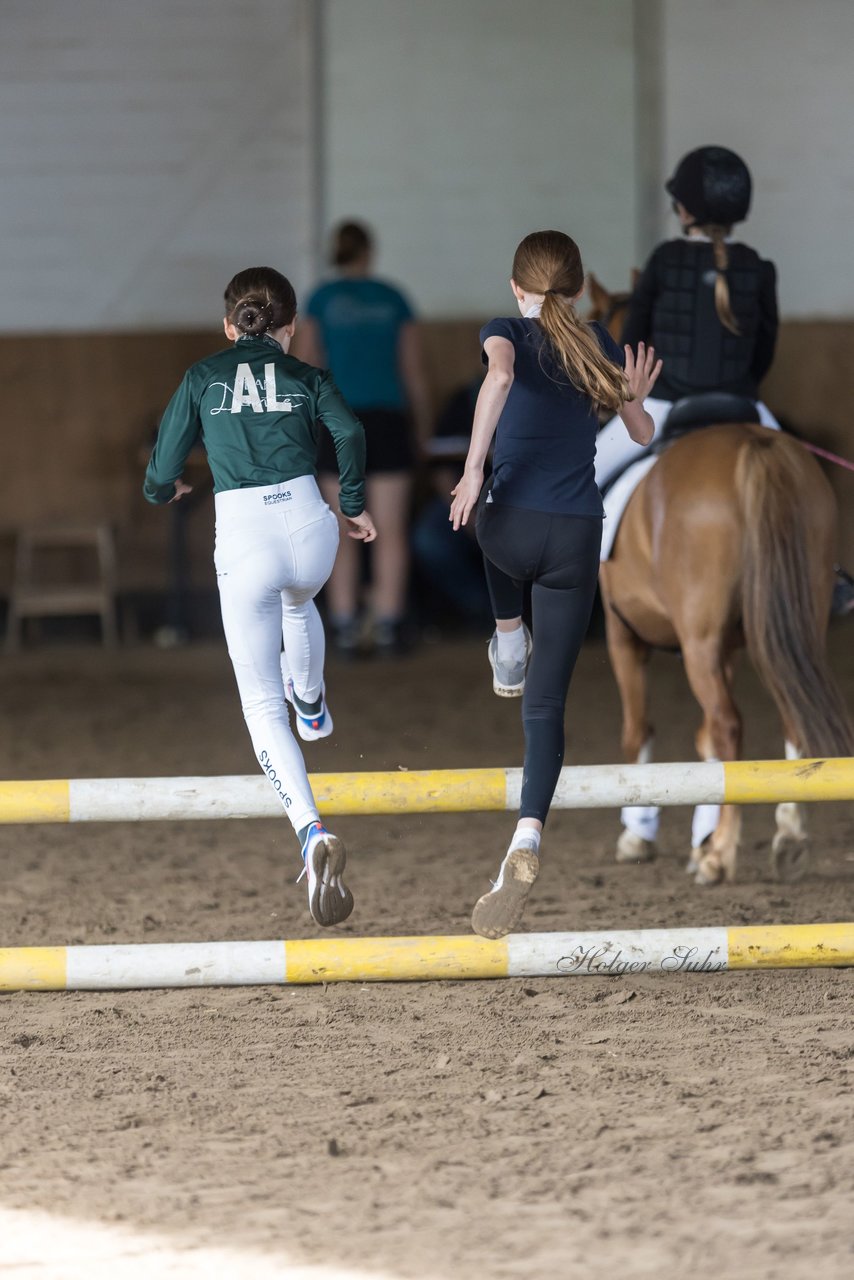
(788,532)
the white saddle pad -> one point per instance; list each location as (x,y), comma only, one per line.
(617,498)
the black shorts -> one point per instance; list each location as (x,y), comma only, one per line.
(388,443)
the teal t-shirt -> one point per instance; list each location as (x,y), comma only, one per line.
(360,321)
(256,411)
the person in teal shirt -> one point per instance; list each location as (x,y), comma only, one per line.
(364,330)
(257,412)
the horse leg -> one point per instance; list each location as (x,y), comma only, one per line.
(629,658)
(706,816)
(790,848)
(719,738)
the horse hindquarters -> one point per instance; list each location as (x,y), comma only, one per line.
(789,518)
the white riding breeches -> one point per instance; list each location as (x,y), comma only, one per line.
(615,448)
(275,548)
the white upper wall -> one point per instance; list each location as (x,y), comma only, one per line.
(455,129)
(774,80)
(147,152)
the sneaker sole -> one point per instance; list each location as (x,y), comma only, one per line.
(508,690)
(331,901)
(500,911)
(305,731)
(513,690)
(313,735)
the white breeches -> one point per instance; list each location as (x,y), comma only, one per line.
(615,448)
(275,548)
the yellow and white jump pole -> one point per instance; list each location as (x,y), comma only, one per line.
(620,953)
(434,791)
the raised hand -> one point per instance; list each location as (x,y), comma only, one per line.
(642,370)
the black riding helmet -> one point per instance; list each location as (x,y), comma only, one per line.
(714,185)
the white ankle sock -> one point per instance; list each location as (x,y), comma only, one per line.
(511,645)
(526,838)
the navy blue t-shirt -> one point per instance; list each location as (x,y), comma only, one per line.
(545,442)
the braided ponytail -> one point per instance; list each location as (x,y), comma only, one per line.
(723,306)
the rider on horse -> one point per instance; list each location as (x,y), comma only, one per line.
(708,304)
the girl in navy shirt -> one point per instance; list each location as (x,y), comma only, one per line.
(539,519)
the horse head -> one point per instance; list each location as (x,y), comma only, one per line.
(609,308)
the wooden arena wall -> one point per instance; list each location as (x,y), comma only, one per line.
(81,414)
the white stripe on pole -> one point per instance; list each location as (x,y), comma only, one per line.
(171,799)
(623,952)
(175,964)
(603,786)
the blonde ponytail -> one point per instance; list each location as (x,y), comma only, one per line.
(723,305)
(580,356)
(549,263)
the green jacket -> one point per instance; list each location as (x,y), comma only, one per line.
(256,411)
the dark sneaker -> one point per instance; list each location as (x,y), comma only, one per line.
(329,899)
(508,678)
(500,911)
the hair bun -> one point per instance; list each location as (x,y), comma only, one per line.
(259,299)
(253,316)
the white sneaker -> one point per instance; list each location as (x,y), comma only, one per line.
(310,727)
(500,911)
(508,678)
(329,899)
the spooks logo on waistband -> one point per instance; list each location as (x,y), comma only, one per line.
(249,392)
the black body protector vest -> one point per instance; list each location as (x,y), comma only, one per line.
(673,308)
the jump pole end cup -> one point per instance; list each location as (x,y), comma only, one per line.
(616,953)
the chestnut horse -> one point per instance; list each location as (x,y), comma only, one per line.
(728,541)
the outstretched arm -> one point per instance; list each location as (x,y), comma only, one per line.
(178,432)
(490,402)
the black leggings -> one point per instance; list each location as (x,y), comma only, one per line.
(559,556)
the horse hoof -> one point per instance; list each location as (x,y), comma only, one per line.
(708,873)
(632,848)
(692,866)
(790,856)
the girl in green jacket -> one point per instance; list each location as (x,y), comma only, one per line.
(256,410)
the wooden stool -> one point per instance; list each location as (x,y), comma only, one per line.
(34,596)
